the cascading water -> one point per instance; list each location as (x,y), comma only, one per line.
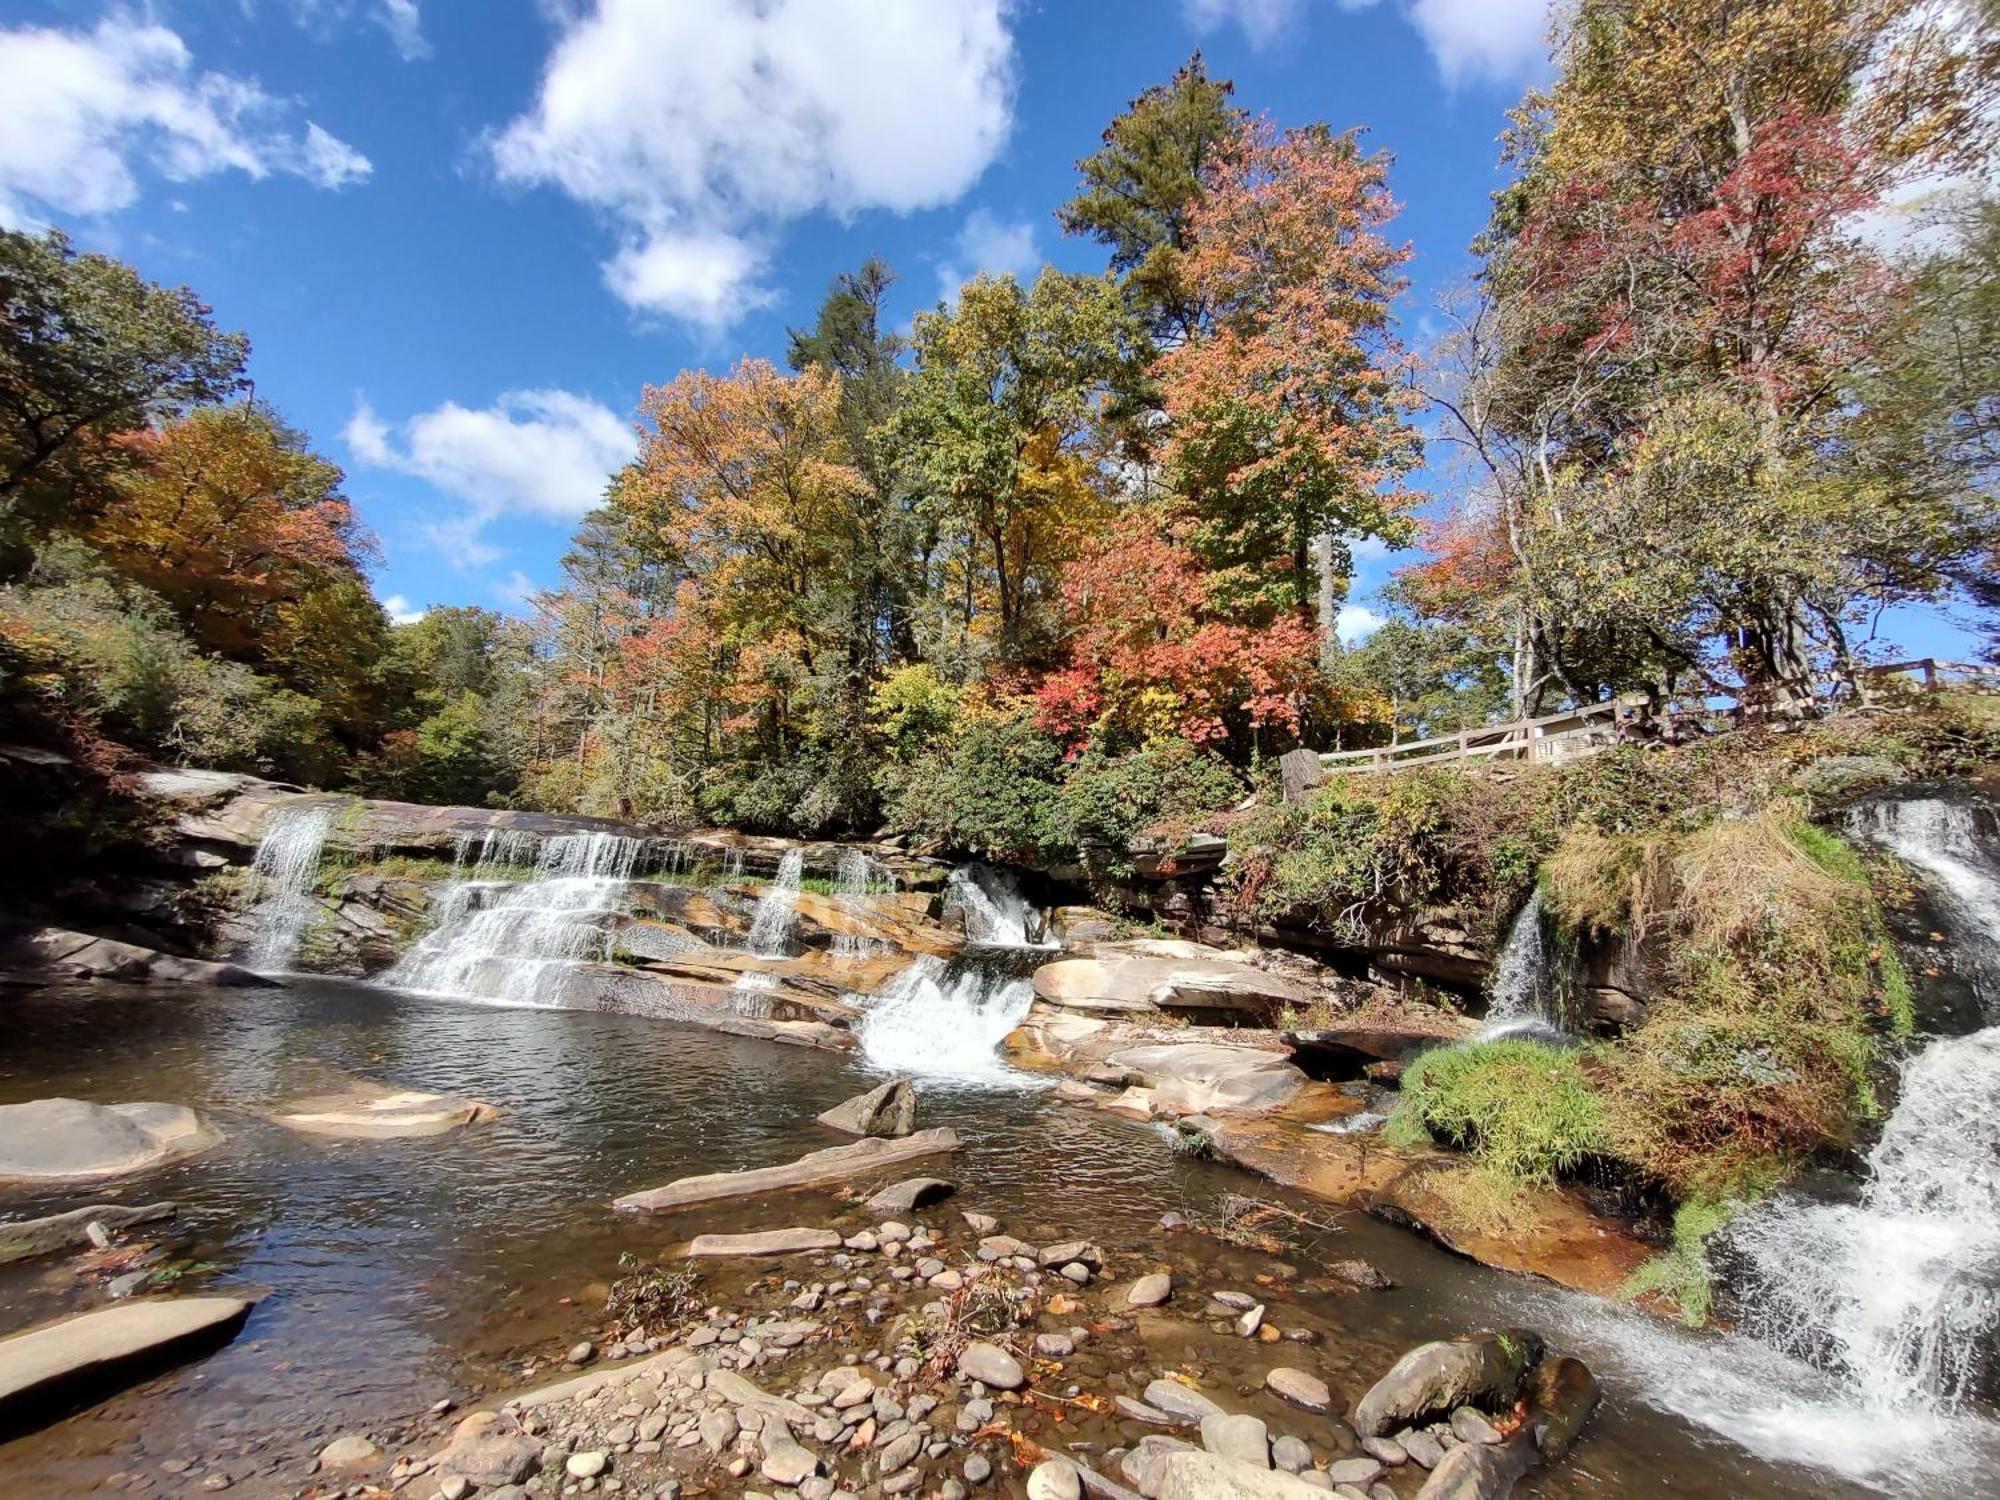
(946,1021)
(771,924)
(857,878)
(995,914)
(511,940)
(282,874)
(1523,1001)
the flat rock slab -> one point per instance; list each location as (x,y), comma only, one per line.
(814,1169)
(28,1237)
(71,1138)
(384,1115)
(1192,1078)
(100,1350)
(54,953)
(764,1242)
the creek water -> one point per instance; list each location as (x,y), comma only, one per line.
(397,1273)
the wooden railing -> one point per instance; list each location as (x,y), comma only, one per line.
(1578,732)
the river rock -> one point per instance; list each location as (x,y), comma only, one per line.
(1178,1400)
(1196,1475)
(1209,1078)
(1562,1393)
(763,1242)
(379,1114)
(992,1365)
(1480,1369)
(814,1169)
(1291,1454)
(1055,1479)
(1300,1388)
(1150,1291)
(909,1195)
(1479,1471)
(1355,1471)
(71,1138)
(588,1464)
(1469,1425)
(1120,983)
(1243,1438)
(351,1451)
(887,1110)
(490,1449)
(53,954)
(1073,1250)
(103,1349)
(30,1237)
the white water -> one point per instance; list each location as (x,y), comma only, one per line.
(1864,1324)
(857,879)
(996,915)
(1522,995)
(933,1023)
(282,874)
(512,940)
(771,924)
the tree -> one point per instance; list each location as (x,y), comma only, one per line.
(1286,404)
(1000,422)
(89,349)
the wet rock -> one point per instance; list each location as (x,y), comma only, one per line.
(1142,1464)
(1178,1400)
(58,1139)
(1385,1450)
(80,1226)
(889,1110)
(1208,1078)
(1425,1451)
(1072,1250)
(1561,1395)
(1055,1479)
(897,1452)
(489,1449)
(351,1451)
(764,1242)
(991,1365)
(980,1224)
(1206,1476)
(978,1468)
(1355,1471)
(814,1169)
(1253,1320)
(1482,1368)
(1242,1438)
(1054,1345)
(51,954)
(1150,1291)
(1468,1425)
(1300,1387)
(909,1195)
(1291,1454)
(1362,1274)
(108,1347)
(1479,1471)
(581,1354)
(375,1113)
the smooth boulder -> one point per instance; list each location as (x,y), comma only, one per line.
(889,1110)
(1561,1395)
(374,1114)
(1479,1471)
(1195,1475)
(909,1195)
(814,1169)
(1483,1369)
(99,1351)
(67,1139)
(490,1449)
(1210,1078)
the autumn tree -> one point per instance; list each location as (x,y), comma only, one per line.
(89,350)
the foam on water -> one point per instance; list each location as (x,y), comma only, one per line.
(996,915)
(1522,999)
(943,1022)
(771,924)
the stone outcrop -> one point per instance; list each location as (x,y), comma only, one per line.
(1143,983)
(815,1169)
(96,1352)
(71,1139)
(1198,1078)
(53,955)
(26,1238)
(374,1113)
(889,1109)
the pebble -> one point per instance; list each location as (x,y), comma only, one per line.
(1291,1454)
(581,1354)
(1387,1450)
(1300,1388)
(1470,1426)
(991,1365)
(1181,1401)
(1424,1450)
(1055,1479)
(1242,1438)
(978,1468)
(1354,1471)
(1055,1345)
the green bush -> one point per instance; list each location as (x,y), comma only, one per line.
(1109,801)
(990,791)
(1516,1105)
(1682,1274)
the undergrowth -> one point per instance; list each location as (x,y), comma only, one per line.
(1681,1274)
(1518,1106)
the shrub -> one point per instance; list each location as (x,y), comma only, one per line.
(1518,1106)
(989,792)
(1109,801)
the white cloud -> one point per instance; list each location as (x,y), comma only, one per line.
(1500,41)
(400,611)
(1355,622)
(400,20)
(83,108)
(544,453)
(992,245)
(405,26)
(517,589)
(700,128)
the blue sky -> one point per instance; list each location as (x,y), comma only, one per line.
(464,234)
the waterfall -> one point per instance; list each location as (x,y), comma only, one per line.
(1898,1293)
(1523,1002)
(945,1021)
(281,882)
(771,925)
(995,914)
(496,938)
(856,880)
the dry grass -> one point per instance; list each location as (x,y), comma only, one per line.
(1255,1224)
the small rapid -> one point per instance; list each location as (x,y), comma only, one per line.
(944,1021)
(995,913)
(771,924)
(282,874)
(1522,997)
